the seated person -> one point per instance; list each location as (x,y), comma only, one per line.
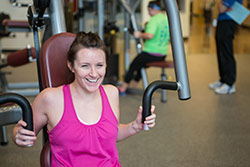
(82,117)
(156,37)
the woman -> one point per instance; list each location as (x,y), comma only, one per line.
(156,38)
(82,117)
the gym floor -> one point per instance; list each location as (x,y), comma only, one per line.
(208,130)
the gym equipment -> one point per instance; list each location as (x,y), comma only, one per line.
(17,58)
(23,103)
(14,59)
(130,17)
(110,39)
(54,74)
(163,65)
(18,4)
(146,102)
(54,19)
(177,47)
(11,114)
(182,84)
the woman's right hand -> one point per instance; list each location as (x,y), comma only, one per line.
(23,137)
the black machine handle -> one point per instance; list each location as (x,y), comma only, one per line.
(23,103)
(147,96)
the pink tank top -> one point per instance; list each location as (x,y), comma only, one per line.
(75,144)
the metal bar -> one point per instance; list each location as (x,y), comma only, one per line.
(37,47)
(58,23)
(81,15)
(178,49)
(100,18)
(147,96)
(23,103)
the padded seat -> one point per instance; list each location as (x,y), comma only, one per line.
(53,60)
(159,64)
(54,72)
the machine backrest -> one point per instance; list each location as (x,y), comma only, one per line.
(54,72)
(53,60)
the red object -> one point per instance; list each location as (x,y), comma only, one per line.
(20,57)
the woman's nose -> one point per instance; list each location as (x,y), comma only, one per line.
(93,72)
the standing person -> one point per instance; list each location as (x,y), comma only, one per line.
(224,44)
(82,118)
(155,47)
(207,6)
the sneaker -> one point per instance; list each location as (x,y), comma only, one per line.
(225,89)
(215,85)
(122,93)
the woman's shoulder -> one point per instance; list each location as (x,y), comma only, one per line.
(113,97)
(50,95)
(111,92)
(110,89)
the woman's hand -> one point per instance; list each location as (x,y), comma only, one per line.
(137,34)
(137,125)
(23,137)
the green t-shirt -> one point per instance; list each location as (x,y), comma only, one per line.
(157,25)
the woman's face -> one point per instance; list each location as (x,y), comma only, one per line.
(151,11)
(89,68)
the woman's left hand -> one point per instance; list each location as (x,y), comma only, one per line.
(137,125)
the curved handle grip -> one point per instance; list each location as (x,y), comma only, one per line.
(146,101)
(23,103)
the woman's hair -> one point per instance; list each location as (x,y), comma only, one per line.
(86,40)
(156,4)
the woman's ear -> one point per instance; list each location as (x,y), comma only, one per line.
(70,67)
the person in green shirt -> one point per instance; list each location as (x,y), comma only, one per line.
(156,38)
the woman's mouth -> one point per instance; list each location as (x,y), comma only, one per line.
(92,80)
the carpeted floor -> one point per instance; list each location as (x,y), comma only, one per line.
(208,130)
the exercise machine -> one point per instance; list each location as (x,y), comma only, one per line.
(20,108)
(51,74)
(17,58)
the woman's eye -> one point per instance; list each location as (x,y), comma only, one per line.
(84,66)
(99,65)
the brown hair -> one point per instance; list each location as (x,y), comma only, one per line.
(85,40)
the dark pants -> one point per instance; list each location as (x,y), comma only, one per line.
(139,62)
(207,16)
(224,43)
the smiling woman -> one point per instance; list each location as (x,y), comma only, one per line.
(89,68)
(82,117)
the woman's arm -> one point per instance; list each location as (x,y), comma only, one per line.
(23,137)
(126,130)
(142,35)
